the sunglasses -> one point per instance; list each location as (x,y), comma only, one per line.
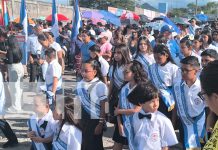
(201,95)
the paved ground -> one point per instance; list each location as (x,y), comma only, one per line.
(18,121)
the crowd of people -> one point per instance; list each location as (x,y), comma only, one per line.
(146,82)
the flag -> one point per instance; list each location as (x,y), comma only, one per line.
(77,20)
(55,28)
(5,13)
(24,22)
(172,24)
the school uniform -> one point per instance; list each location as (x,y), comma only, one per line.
(56,47)
(190,109)
(90,94)
(104,66)
(69,138)
(153,131)
(126,119)
(116,77)
(163,77)
(54,70)
(146,60)
(43,128)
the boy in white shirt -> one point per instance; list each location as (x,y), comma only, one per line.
(41,125)
(53,77)
(152,129)
(190,107)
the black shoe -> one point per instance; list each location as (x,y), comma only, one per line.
(10,144)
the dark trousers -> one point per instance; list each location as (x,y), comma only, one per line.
(33,72)
(6,129)
(90,141)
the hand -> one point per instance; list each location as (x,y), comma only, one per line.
(116,111)
(121,131)
(37,139)
(209,129)
(31,134)
(98,129)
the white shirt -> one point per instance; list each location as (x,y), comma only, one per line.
(54,70)
(33,44)
(97,93)
(150,59)
(154,133)
(70,135)
(212,47)
(169,73)
(50,123)
(56,47)
(215,44)
(104,66)
(196,55)
(193,101)
(118,79)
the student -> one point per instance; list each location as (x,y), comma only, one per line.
(152,129)
(163,74)
(68,135)
(95,54)
(190,108)
(41,125)
(144,53)
(207,56)
(207,40)
(133,75)
(56,46)
(53,77)
(197,45)
(121,58)
(92,93)
(209,85)
(215,38)
(187,49)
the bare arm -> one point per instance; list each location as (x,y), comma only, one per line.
(165,148)
(59,55)
(3,53)
(55,84)
(127,111)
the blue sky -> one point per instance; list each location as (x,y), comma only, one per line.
(176,3)
(171,3)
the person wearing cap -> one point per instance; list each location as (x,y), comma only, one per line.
(215,38)
(193,26)
(173,46)
(106,47)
